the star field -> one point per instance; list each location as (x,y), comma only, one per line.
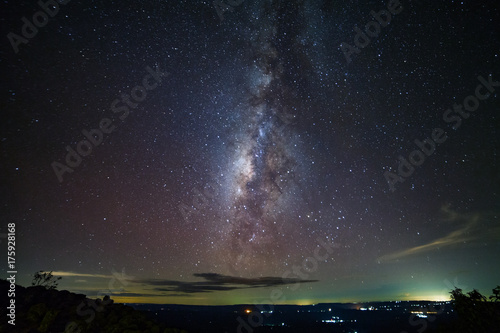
(234,144)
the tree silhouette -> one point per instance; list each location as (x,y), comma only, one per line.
(496,295)
(43,309)
(475,312)
(45,279)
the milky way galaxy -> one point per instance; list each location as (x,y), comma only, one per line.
(264,153)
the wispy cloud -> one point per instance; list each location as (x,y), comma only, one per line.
(471,228)
(210,282)
(217,282)
(101,276)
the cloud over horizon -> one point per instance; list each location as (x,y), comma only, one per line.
(472,228)
(218,282)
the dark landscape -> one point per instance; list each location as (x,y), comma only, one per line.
(47,310)
(337,317)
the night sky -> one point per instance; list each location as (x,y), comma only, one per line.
(258,152)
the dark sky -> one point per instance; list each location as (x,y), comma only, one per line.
(211,156)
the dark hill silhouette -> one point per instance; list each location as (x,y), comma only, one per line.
(41,310)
